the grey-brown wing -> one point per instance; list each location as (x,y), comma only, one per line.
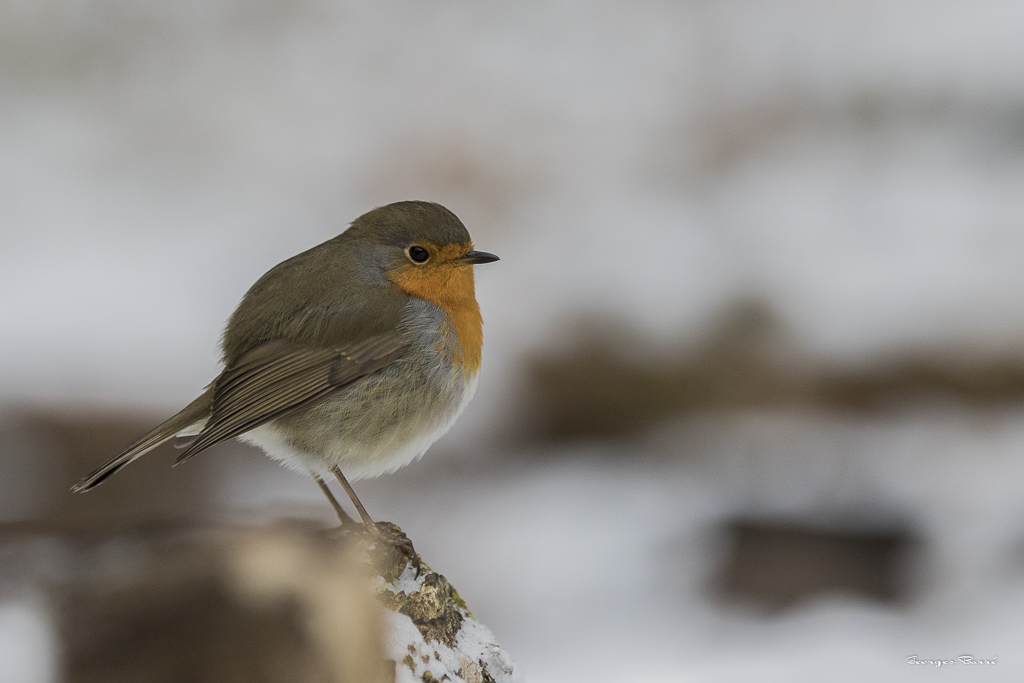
(276,378)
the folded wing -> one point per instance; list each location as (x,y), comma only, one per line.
(279,377)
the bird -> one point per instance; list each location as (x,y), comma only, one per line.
(351,358)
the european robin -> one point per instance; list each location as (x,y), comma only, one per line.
(352,357)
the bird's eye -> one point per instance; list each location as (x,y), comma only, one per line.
(418,254)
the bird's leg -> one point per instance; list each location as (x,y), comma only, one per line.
(367,522)
(346,521)
(385,531)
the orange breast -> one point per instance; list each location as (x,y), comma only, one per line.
(449,285)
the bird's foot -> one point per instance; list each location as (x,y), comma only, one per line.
(392,535)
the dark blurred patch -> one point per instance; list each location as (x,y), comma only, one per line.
(177,630)
(983,382)
(273,605)
(42,454)
(591,390)
(595,389)
(776,565)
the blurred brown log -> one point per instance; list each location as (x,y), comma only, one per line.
(268,605)
(283,603)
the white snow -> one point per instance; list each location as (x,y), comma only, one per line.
(474,645)
(28,653)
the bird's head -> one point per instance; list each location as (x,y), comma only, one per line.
(420,248)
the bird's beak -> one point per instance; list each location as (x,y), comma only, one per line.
(475,257)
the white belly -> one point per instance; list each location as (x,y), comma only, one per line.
(360,459)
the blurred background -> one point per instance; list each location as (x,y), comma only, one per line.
(751,404)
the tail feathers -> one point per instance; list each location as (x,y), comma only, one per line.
(136,450)
(195,412)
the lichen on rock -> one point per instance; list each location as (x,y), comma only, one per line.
(429,631)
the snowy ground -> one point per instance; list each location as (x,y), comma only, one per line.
(598,562)
(857,164)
